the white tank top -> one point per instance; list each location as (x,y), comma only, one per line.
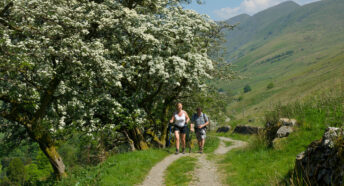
(179,120)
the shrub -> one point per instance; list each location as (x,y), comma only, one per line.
(43,165)
(247,88)
(270,85)
(5,181)
(33,174)
(16,172)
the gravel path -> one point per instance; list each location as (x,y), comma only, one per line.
(222,149)
(205,174)
(156,175)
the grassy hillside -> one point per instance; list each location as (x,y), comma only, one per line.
(250,27)
(260,165)
(304,57)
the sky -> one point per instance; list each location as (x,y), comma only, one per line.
(220,10)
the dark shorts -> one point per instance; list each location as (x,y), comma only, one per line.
(181,130)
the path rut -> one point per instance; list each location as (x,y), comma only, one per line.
(156,174)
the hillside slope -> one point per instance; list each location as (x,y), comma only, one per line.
(250,27)
(300,52)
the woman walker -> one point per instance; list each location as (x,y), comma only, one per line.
(180,119)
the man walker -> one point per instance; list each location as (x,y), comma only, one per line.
(199,124)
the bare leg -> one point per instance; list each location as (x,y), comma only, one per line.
(202,143)
(183,140)
(176,134)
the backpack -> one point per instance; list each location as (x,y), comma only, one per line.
(206,127)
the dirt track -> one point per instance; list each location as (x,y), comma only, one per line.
(206,174)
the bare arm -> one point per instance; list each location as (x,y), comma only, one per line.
(192,127)
(205,124)
(172,119)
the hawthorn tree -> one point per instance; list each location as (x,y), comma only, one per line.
(56,60)
(172,67)
(95,65)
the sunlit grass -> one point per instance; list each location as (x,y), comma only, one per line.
(259,165)
(180,171)
(120,169)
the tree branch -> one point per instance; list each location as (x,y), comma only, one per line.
(46,98)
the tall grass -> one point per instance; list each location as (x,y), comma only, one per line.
(260,165)
(324,110)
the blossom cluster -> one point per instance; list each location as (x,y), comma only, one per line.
(106,57)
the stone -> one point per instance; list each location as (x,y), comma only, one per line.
(321,163)
(223,129)
(246,129)
(331,134)
(284,131)
(288,122)
(228,119)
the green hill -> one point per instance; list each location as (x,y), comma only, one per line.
(299,49)
(238,19)
(251,27)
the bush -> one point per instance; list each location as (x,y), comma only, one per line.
(69,152)
(33,174)
(39,170)
(5,181)
(247,88)
(16,172)
(270,85)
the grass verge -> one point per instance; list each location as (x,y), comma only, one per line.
(120,169)
(211,144)
(228,143)
(179,172)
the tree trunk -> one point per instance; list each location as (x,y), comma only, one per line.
(139,141)
(130,141)
(165,122)
(156,138)
(46,143)
(55,159)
